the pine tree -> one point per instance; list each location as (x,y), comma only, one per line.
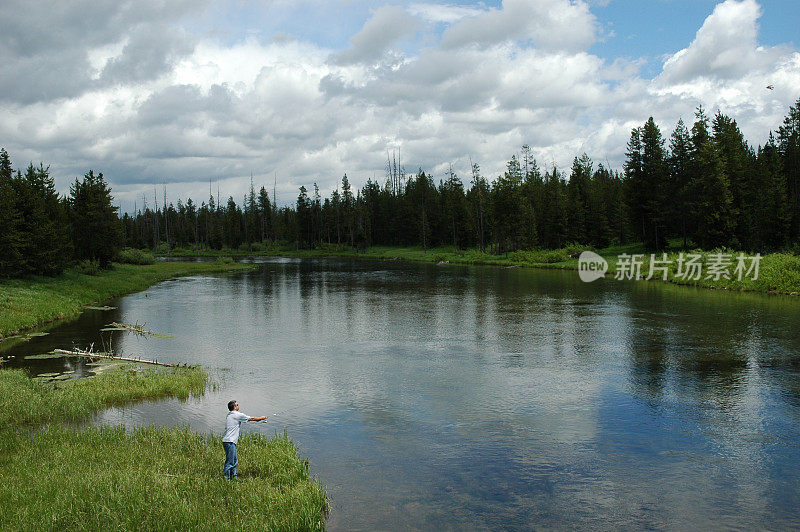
(578,206)
(533,189)
(374,216)
(10,238)
(193,222)
(422,197)
(97,231)
(454,207)
(554,227)
(264,214)
(711,197)
(514,223)
(336,207)
(46,243)
(680,167)
(738,162)
(304,221)
(477,202)
(646,171)
(636,193)
(600,208)
(773,220)
(252,229)
(215,229)
(233,221)
(348,205)
(789,150)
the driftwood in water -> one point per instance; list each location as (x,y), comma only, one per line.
(136,329)
(90,354)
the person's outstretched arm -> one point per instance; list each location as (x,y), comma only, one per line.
(260,418)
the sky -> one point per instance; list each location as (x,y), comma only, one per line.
(203,94)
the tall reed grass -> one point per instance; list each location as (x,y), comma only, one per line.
(104,478)
(28,401)
(153,479)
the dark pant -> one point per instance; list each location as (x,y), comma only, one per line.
(231,460)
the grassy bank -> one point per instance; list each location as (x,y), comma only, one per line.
(31,402)
(778,273)
(147,479)
(153,479)
(26,303)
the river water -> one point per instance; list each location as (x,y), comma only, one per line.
(454,397)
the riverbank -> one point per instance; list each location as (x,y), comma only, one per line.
(34,301)
(109,478)
(778,273)
(27,401)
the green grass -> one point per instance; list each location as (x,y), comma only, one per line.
(270,250)
(153,478)
(779,272)
(30,401)
(26,303)
(135,256)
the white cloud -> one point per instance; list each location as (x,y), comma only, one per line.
(182,109)
(443,12)
(725,68)
(387,25)
(725,47)
(549,24)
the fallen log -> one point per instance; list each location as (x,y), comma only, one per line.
(91,354)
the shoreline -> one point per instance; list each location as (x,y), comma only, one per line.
(779,272)
(108,477)
(33,302)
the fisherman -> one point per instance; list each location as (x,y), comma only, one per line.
(231,437)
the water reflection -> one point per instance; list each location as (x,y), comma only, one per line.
(461,397)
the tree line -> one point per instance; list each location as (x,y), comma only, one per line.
(42,232)
(705,186)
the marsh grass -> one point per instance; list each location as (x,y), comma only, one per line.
(779,273)
(26,303)
(135,256)
(28,401)
(153,479)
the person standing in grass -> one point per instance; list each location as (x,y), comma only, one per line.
(231,437)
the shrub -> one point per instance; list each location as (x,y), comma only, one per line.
(539,256)
(88,267)
(135,256)
(162,249)
(573,249)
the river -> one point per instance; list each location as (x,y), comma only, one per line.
(456,397)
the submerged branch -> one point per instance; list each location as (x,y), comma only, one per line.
(91,354)
(135,329)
